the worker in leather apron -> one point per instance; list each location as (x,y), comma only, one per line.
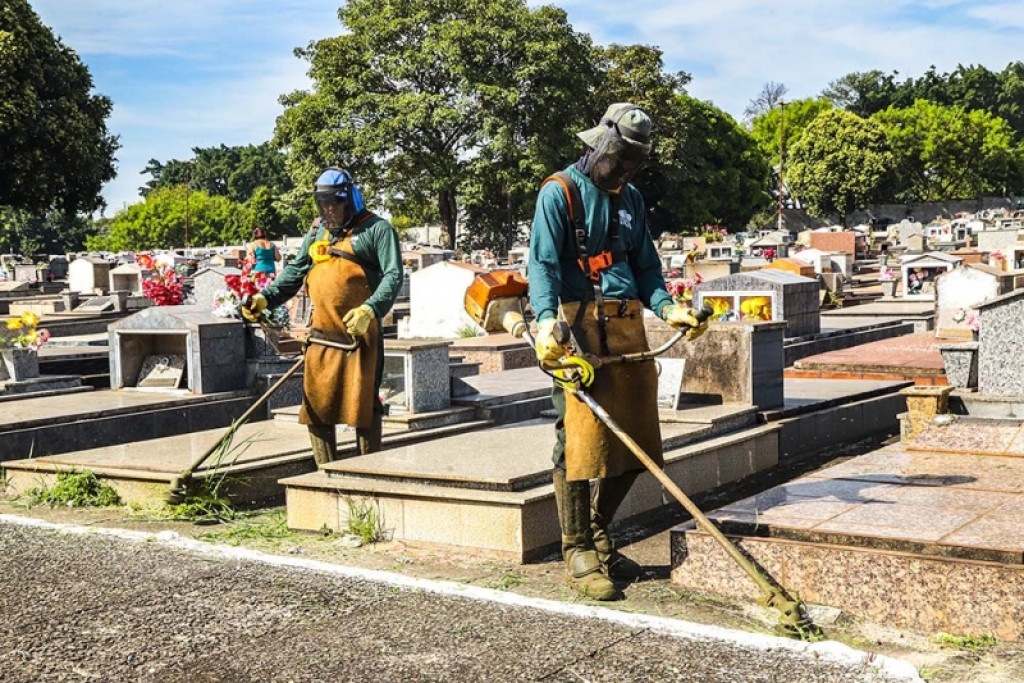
(598,276)
(351,265)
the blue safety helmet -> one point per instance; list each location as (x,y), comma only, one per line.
(336,185)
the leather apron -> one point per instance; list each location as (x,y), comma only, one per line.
(628,391)
(338,386)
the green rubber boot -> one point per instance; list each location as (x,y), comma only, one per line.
(369,440)
(325,443)
(583,569)
(608,496)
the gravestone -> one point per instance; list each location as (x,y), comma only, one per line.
(14,286)
(765,295)
(1001,345)
(58,267)
(213,348)
(961,288)
(436,301)
(416,375)
(88,275)
(166,371)
(26,272)
(208,284)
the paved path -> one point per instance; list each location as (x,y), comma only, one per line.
(143,607)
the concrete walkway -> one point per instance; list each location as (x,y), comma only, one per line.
(143,607)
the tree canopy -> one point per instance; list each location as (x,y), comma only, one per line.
(841,163)
(795,116)
(55,151)
(160,221)
(413,94)
(945,152)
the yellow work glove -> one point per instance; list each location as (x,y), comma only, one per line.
(357,321)
(547,348)
(680,317)
(252,306)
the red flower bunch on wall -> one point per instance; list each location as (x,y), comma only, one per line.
(163,287)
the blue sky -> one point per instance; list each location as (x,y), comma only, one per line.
(197,73)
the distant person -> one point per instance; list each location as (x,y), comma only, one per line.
(263,252)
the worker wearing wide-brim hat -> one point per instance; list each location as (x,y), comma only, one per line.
(597,269)
(351,265)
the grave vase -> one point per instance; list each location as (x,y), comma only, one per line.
(961,364)
(889,288)
(18,364)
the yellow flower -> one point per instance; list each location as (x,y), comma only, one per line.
(14,324)
(29,319)
(318,251)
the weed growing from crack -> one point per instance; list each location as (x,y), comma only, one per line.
(365,520)
(965,642)
(74,489)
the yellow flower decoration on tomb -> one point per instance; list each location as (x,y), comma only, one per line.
(756,308)
(318,251)
(29,319)
(14,324)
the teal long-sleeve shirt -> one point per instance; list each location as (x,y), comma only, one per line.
(374,241)
(554,272)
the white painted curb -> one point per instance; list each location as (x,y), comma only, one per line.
(830,651)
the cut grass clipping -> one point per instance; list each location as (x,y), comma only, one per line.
(74,489)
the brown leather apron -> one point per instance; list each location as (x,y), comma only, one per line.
(628,391)
(338,386)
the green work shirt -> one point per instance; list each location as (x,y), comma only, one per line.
(555,274)
(374,241)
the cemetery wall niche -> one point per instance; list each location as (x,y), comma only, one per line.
(177,347)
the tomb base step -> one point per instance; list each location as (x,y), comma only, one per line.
(929,541)
(262,454)
(33,427)
(490,491)
(412,421)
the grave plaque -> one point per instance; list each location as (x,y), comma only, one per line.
(166,371)
(670,382)
(97,304)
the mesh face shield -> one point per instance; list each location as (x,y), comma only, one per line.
(615,160)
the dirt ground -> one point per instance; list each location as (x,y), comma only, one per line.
(938,659)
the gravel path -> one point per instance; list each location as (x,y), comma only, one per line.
(89,607)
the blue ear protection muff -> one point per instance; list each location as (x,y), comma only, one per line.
(335,184)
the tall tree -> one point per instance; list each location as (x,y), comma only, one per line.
(413,93)
(841,163)
(55,151)
(47,232)
(862,93)
(794,116)
(951,153)
(770,97)
(232,172)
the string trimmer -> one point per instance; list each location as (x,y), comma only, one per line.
(576,374)
(179,486)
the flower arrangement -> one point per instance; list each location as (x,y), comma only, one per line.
(997,255)
(164,287)
(681,289)
(973,322)
(228,303)
(886,274)
(28,336)
(713,233)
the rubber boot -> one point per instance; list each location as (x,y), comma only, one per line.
(582,566)
(608,496)
(368,440)
(325,443)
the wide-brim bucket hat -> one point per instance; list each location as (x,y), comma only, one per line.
(634,126)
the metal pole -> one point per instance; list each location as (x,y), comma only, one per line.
(782,154)
(188,192)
